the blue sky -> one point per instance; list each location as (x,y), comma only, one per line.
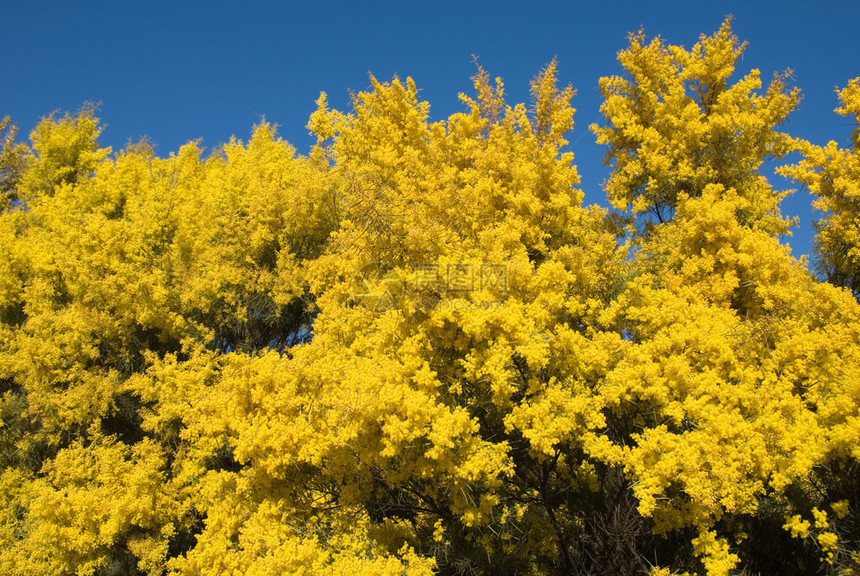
(179,71)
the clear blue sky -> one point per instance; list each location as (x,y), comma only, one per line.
(177,71)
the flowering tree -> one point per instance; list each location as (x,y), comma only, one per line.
(415,351)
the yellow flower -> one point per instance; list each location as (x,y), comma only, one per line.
(840,508)
(798,527)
